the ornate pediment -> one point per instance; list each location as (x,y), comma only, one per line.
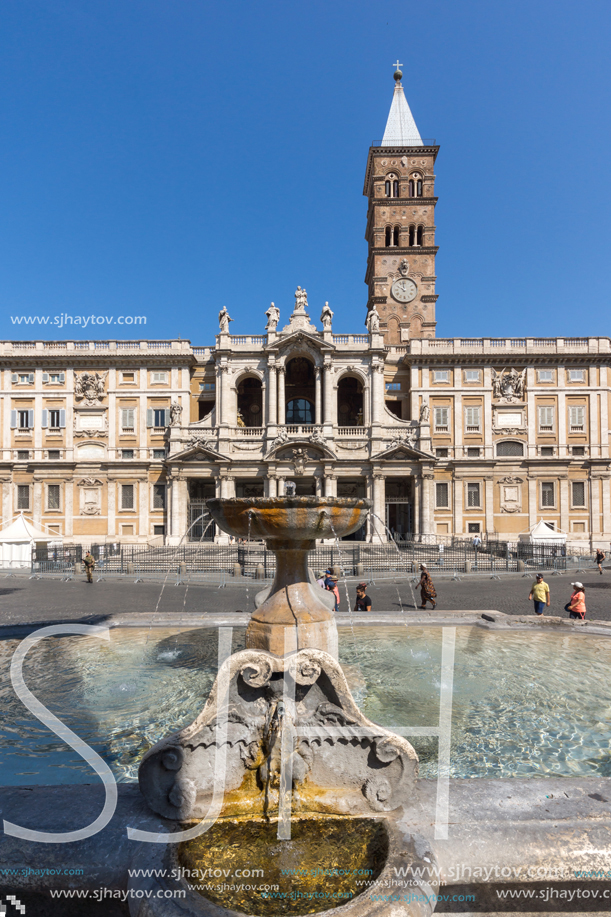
(198,452)
(299,340)
(401,452)
(312,451)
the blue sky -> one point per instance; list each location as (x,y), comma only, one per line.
(168,158)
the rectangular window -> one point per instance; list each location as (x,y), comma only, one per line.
(441,375)
(159,530)
(54,455)
(56,378)
(547,494)
(159,377)
(393,386)
(53,496)
(577,375)
(24,418)
(127,453)
(579,493)
(442,495)
(473,495)
(128,377)
(472,375)
(545,375)
(127,496)
(546,418)
(54,419)
(578,450)
(159,453)
(23,455)
(547,451)
(473,452)
(128,419)
(158,496)
(472,420)
(441,453)
(23,496)
(473,528)
(442,419)
(207,386)
(577,413)
(25,378)
(159,417)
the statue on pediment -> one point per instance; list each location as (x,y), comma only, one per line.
(326,317)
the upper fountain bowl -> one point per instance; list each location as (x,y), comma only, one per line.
(289,518)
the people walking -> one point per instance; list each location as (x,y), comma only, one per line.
(331,585)
(600,556)
(540,594)
(577,605)
(320,580)
(427,589)
(89,563)
(363,602)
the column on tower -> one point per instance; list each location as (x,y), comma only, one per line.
(281,395)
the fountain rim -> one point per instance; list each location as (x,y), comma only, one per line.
(292,502)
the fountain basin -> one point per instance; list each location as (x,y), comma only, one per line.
(326,863)
(285,520)
(293,617)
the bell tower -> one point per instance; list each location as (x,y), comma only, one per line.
(400,186)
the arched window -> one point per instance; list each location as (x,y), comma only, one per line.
(412,236)
(299,410)
(391,186)
(388,236)
(420,235)
(395,235)
(415,185)
(510,447)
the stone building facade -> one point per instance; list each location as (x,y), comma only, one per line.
(123,441)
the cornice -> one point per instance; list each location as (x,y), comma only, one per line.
(403,201)
(395,250)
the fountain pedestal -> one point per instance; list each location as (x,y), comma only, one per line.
(293,617)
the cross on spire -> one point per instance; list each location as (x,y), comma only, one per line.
(397,66)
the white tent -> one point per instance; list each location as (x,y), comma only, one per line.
(542,533)
(19,539)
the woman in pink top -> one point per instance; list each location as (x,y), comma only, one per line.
(577,606)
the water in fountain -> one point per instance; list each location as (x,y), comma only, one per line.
(409,582)
(343,569)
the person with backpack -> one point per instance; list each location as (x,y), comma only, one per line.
(89,563)
(576,607)
(600,556)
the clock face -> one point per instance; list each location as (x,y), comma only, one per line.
(404,290)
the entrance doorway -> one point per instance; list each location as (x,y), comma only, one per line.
(399,507)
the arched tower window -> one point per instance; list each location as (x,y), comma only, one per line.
(420,235)
(391,186)
(395,235)
(388,236)
(412,236)
(415,185)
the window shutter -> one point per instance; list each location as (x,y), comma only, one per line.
(45,377)
(472,417)
(31,378)
(166,421)
(62,418)
(30,420)
(14,378)
(62,378)
(13,419)
(149,417)
(45,418)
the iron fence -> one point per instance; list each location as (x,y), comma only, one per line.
(352,557)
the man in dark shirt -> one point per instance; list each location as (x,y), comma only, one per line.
(363,602)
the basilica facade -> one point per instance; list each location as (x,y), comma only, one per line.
(124,441)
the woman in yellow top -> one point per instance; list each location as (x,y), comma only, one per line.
(540,594)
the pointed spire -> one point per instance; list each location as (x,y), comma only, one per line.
(401,128)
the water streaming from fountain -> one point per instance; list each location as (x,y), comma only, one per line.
(388,532)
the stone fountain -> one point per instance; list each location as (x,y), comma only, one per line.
(283,736)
